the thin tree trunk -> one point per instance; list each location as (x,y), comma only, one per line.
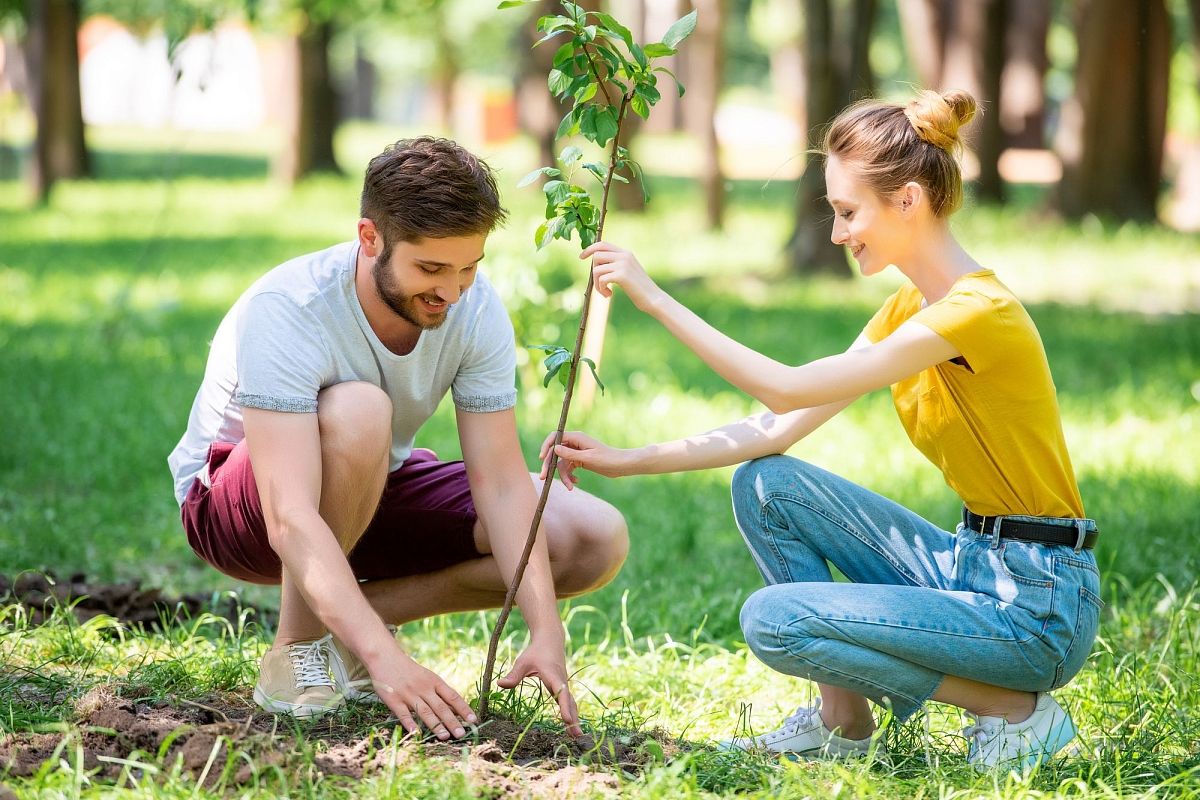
(1111,137)
(810,248)
(989,139)
(859,80)
(705,67)
(539,111)
(1023,84)
(59,148)
(361,103)
(446,71)
(628,197)
(668,114)
(923,26)
(314,107)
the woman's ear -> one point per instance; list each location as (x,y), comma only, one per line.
(910,197)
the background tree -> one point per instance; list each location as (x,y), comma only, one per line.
(705,70)
(1023,80)
(963,46)
(52,51)
(1111,137)
(837,70)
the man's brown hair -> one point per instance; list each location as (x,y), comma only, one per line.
(429,188)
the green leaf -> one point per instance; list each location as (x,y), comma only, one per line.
(587,236)
(576,13)
(639,106)
(678,85)
(636,169)
(537,173)
(596,168)
(610,23)
(592,366)
(606,125)
(649,91)
(570,155)
(569,124)
(559,82)
(513,4)
(557,357)
(680,29)
(563,55)
(588,92)
(539,240)
(550,376)
(545,348)
(658,50)
(639,55)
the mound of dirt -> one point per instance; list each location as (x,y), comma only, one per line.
(504,758)
(41,593)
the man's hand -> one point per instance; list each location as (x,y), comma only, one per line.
(580,450)
(409,689)
(547,663)
(611,264)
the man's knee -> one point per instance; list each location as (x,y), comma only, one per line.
(591,549)
(355,422)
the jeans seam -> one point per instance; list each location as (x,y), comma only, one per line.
(865,540)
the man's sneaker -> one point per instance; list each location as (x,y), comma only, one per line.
(295,680)
(1020,745)
(803,734)
(350,675)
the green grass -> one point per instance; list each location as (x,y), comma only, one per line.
(110,294)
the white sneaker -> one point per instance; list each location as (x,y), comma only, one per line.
(295,680)
(1020,745)
(804,734)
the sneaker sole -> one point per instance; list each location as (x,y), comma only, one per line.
(1060,736)
(267,703)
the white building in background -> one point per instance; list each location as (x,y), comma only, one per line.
(126,80)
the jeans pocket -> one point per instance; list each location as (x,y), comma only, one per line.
(1087,622)
(1030,572)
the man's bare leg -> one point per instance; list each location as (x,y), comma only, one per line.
(355,421)
(587,542)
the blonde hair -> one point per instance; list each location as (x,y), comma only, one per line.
(888,144)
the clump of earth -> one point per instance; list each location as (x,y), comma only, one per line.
(503,757)
(40,593)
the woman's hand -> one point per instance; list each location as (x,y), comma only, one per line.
(612,265)
(580,450)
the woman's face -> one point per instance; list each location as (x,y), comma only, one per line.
(874,229)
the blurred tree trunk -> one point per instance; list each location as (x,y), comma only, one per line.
(628,197)
(53,51)
(705,61)
(1023,82)
(668,114)
(858,80)
(314,106)
(361,102)
(963,46)
(446,70)
(811,250)
(1111,137)
(923,24)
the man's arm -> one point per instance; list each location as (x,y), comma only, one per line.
(505,501)
(285,453)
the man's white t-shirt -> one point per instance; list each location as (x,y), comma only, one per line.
(301,328)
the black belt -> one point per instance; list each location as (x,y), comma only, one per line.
(1074,536)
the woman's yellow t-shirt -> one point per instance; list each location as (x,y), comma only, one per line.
(991,423)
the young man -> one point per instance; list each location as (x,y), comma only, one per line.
(298,466)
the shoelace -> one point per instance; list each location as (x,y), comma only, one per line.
(802,717)
(310,662)
(981,731)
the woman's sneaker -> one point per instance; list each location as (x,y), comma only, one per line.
(996,742)
(295,680)
(804,735)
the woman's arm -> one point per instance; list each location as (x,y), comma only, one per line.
(781,388)
(749,438)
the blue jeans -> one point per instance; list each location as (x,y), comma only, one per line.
(923,603)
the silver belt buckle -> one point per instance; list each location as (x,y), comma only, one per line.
(1080,534)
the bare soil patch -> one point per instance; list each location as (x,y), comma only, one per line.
(503,758)
(40,593)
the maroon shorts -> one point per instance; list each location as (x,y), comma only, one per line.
(425,520)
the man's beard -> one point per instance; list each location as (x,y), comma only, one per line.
(405,306)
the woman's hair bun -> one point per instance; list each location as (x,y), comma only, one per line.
(937,117)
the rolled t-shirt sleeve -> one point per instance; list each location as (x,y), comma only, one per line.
(281,355)
(971,322)
(486,379)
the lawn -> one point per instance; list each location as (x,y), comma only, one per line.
(109,296)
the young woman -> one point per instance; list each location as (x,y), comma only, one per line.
(989,618)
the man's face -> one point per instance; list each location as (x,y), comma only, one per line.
(420,280)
